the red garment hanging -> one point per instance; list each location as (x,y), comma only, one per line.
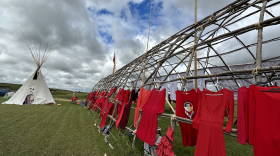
(109,110)
(165,146)
(97,101)
(262,125)
(210,140)
(242,93)
(100,99)
(125,102)
(92,100)
(106,101)
(127,109)
(120,98)
(142,100)
(155,105)
(186,107)
(195,123)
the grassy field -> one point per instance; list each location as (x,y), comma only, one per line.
(69,130)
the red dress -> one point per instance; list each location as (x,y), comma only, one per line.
(100,103)
(104,105)
(124,103)
(210,140)
(265,130)
(147,129)
(144,95)
(165,146)
(120,97)
(126,111)
(92,100)
(109,110)
(186,107)
(97,101)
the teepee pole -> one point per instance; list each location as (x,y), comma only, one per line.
(29,48)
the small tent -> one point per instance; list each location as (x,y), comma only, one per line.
(35,90)
(8,95)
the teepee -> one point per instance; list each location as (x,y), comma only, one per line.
(35,90)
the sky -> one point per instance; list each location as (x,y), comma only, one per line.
(85,35)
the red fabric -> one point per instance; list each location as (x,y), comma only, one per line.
(104,104)
(155,105)
(106,101)
(127,109)
(183,100)
(97,102)
(74,99)
(92,99)
(142,99)
(210,140)
(109,110)
(90,96)
(120,97)
(250,109)
(102,100)
(266,137)
(125,102)
(242,92)
(195,123)
(165,146)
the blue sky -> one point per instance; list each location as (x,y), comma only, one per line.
(140,11)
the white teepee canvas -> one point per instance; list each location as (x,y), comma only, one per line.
(35,90)
(36,87)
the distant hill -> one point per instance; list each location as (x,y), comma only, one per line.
(13,87)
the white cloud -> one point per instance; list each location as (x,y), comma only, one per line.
(85,39)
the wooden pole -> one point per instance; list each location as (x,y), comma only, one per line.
(260,40)
(195,39)
(114,68)
(144,77)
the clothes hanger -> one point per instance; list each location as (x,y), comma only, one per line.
(216,85)
(200,85)
(272,90)
(264,83)
(186,88)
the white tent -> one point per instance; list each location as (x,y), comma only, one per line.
(35,89)
(8,95)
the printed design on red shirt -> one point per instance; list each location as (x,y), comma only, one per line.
(188,109)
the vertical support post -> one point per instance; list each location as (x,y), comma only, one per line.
(138,122)
(143,80)
(195,53)
(114,68)
(260,40)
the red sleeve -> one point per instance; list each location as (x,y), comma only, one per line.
(117,95)
(196,119)
(242,92)
(230,108)
(161,105)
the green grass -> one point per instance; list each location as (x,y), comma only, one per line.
(69,130)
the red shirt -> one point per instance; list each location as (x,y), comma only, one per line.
(263,120)
(186,107)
